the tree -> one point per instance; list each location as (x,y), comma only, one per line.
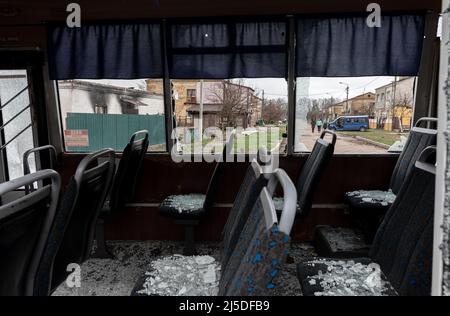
(274,110)
(236,101)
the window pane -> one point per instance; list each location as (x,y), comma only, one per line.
(16,115)
(256,108)
(100,114)
(369,114)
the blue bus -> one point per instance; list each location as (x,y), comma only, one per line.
(350,123)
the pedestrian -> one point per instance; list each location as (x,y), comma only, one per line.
(313,125)
(319,124)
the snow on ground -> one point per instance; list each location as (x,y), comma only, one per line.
(347,278)
(383,197)
(117,277)
(186,203)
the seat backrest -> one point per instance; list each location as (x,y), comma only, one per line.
(403,244)
(124,182)
(255,180)
(419,139)
(26,164)
(262,246)
(24,232)
(217,176)
(79,211)
(312,171)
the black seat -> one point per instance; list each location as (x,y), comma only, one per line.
(123,185)
(402,247)
(311,173)
(79,211)
(52,160)
(25,266)
(367,208)
(188,209)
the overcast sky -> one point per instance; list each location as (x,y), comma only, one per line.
(306,87)
(319,87)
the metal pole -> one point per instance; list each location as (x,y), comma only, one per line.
(200,123)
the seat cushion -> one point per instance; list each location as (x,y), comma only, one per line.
(183,206)
(373,201)
(340,242)
(331,277)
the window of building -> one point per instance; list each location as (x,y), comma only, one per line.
(191,96)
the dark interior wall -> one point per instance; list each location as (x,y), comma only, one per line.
(161,177)
(39,11)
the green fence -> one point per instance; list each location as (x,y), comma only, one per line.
(114,130)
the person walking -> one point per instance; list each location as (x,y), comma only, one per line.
(319,124)
(313,125)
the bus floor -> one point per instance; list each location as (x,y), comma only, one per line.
(117,277)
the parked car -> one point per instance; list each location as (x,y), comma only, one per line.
(350,123)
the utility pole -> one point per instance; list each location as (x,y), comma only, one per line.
(262,106)
(347,90)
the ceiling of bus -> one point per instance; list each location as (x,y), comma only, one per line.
(26,12)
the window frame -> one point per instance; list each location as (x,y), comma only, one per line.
(291,80)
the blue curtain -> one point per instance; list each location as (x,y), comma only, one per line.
(346,47)
(228,50)
(102,51)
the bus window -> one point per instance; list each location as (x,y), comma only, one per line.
(16,122)
(91,109)
(257,108)
(366,122)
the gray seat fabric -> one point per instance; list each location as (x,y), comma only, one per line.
(25,266)
(249,192)
(254,264)
(403,244)
(79,210)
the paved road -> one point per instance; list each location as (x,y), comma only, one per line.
(305,139)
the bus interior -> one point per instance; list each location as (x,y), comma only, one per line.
(192,148)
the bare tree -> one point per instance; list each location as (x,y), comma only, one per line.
(400,106)
(236,101)
(274,110)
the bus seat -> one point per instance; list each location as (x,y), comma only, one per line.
(53,162)
(187,210)
(25,268)
(79,211)
(123,186)
(402,249)
(262,248)
(255,180)
(311,173)
(263,244)
(367,208)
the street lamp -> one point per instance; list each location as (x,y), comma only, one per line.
(347,90)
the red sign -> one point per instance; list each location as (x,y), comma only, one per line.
(76,138)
